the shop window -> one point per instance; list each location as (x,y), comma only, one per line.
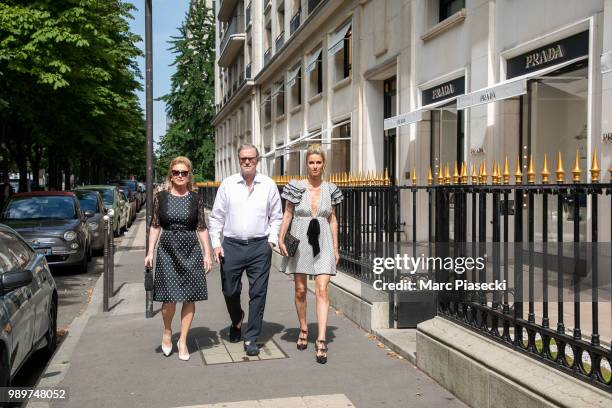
(449,7)
(279,166)
(555,120)
(340,149)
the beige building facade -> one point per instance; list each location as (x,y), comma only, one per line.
(399,85)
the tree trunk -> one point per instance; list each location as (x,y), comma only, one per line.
(35,158)
(22,165)
(67,185)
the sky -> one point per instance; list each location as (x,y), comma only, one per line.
(167,17)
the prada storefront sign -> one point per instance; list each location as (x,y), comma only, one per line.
(443,91)
(552,54)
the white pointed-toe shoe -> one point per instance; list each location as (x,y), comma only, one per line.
(183,357)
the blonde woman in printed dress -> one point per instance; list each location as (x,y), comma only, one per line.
(310,209)
(180,268)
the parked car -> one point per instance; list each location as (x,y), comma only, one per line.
(131,207)
(135,189)
(93,206)
(53,224)
(113,203)
(28,304)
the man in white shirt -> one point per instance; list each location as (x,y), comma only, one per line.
(248,211)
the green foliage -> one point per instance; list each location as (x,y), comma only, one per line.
(190,103)
(68,82)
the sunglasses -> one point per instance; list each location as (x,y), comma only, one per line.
(245,159)
(182,173)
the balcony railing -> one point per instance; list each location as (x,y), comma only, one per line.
(267,55)
(266,3)
(247,72)
(312,4)
(234,27)
(295,22)
(248,15)
(280,41)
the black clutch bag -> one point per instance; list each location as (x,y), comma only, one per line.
(291,243)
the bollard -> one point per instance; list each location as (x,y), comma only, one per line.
(111,266)
(106,264)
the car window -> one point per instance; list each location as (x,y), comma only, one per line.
(107,196)
(14,254)
(89,202)
(42,207)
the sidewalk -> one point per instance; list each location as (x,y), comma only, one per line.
(116,359)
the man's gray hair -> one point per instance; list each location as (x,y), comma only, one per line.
(248,146)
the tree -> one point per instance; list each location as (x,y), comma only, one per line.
(190,103)
(68,86)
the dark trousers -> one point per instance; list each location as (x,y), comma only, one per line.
(255,257)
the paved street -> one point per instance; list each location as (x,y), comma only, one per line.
(114,359)
(75,291)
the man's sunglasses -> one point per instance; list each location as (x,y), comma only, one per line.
(182,173)
(245,159)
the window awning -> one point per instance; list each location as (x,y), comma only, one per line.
(337,42)
(279,89)
(293,76)
(493,93)
(312,60)
(403,119)
(507,89)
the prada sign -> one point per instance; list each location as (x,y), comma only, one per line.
(492,94)
(443,91)
(552,54)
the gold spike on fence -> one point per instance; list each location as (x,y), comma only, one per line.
(595,171)
(518,176)
(414,176)
(387,178)
(430,176)
(506,174)
(576,172)
(447,176)
(559,172)
(530,171)
(474,174)
(464,173)
(483,174)
(495,176)
(545,172)
(440,174)
(456,174)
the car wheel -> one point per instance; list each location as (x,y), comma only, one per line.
(51,335)
(5,369)
(83,265)
(89,253)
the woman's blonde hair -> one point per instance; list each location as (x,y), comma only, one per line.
(180,160)
(316,148)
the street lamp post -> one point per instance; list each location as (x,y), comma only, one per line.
(149,119)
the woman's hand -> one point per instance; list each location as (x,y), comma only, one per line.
(283,249)
(207,263)
(149,260)
(337,255)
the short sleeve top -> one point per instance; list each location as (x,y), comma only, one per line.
(195,218)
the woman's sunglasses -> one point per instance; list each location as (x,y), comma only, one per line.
(182,173)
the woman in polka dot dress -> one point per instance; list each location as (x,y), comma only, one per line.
(180,266)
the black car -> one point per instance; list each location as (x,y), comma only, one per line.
(134,191)
(28,304)
(93,206)
(53,224)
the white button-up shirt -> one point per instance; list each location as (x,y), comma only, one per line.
(243,215)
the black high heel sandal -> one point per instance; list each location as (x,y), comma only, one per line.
(321,359)
(302,342)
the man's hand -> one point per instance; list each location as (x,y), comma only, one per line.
(218,254)
(283,249)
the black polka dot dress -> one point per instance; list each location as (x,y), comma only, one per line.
(179,265)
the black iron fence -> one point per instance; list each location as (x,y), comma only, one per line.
(542,240)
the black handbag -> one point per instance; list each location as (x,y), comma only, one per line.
(291,243)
